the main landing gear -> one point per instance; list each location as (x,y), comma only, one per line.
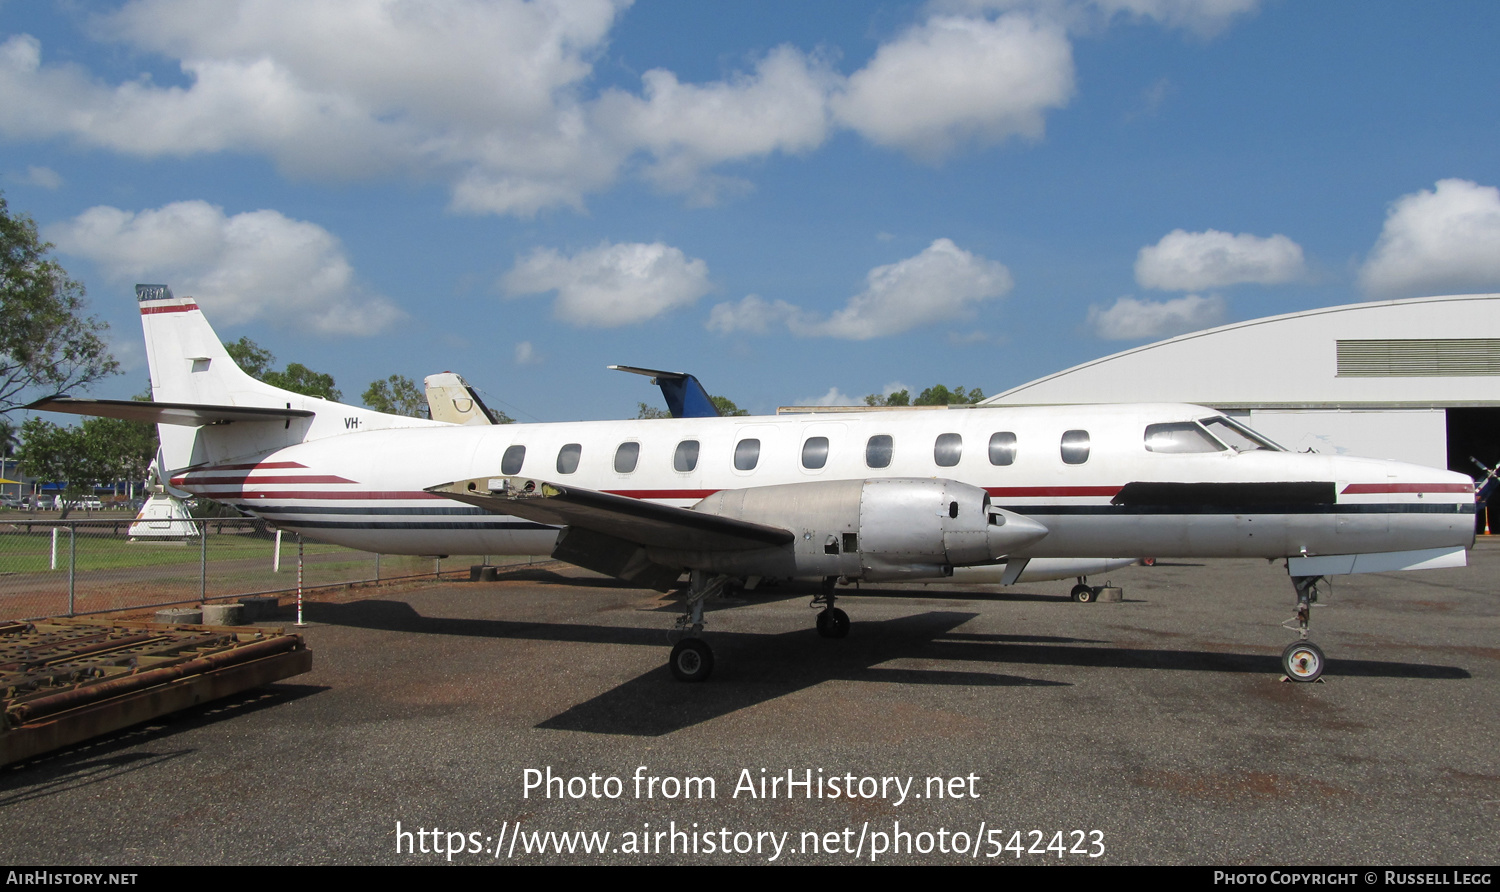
(1084,593)
(692,659)
(832,622)
(1302,660)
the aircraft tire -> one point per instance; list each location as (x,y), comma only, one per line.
(692,660)
(833,623)
(1084,594)
(1303,661)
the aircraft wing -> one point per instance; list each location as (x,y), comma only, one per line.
(641,523)
(188,414)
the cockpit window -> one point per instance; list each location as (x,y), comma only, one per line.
(1237,436)
(1178,437)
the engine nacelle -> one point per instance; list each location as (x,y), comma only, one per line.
(883,528)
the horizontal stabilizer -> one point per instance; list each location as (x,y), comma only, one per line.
(187,414)
(647,524)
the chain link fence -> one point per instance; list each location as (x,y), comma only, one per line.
(67,568)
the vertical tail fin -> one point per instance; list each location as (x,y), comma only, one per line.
(189,364)
(188,361)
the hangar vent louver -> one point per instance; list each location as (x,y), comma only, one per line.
(1418,357)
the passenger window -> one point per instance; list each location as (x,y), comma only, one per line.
(815,453)
(686,457)
(746,454)
(626,457)
(511,462)
(1002,448)
(1075,447)
(948,449)
(1179,437)
(567,458)
(878,451)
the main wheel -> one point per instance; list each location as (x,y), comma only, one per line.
(692,660)
(1083,594)
(833,623)
(1303,661)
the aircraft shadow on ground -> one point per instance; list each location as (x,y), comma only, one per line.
(755,668)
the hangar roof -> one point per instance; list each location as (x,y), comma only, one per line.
(1421,352)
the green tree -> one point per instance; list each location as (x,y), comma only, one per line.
(899,398)
(726,407)
(100,451)
(47,343)
(649,411)
(938,395)
(122,450)
(257,362)
(397,395)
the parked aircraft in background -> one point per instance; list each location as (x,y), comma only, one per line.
(852,496)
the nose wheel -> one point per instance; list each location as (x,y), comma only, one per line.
(1302,661)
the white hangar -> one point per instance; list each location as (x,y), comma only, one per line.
(1416,380)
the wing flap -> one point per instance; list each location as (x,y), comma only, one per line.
(187,414)
(647,524)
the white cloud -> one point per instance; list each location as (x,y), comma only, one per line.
(526,354)
(258,264)
(1130,319)
(43,177)
(943,282)
(782,107)
(1189,261)
(613,284)
(752,314)
(834,397)
(494,98)
(1204,18)
(480,94)
(1438,242)
(952,81)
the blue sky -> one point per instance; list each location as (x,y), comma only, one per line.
(795,201)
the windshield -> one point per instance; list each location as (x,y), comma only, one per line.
(1237,436)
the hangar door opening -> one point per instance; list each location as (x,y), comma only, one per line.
(1475,432)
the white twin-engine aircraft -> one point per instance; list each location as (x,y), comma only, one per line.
(984,494)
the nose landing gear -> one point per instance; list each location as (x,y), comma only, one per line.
(1303,661)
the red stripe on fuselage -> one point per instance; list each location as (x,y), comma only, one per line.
(238,479)
(1362,488)
(314,494)
(181,476)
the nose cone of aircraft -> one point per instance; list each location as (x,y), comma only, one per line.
(1009,532)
